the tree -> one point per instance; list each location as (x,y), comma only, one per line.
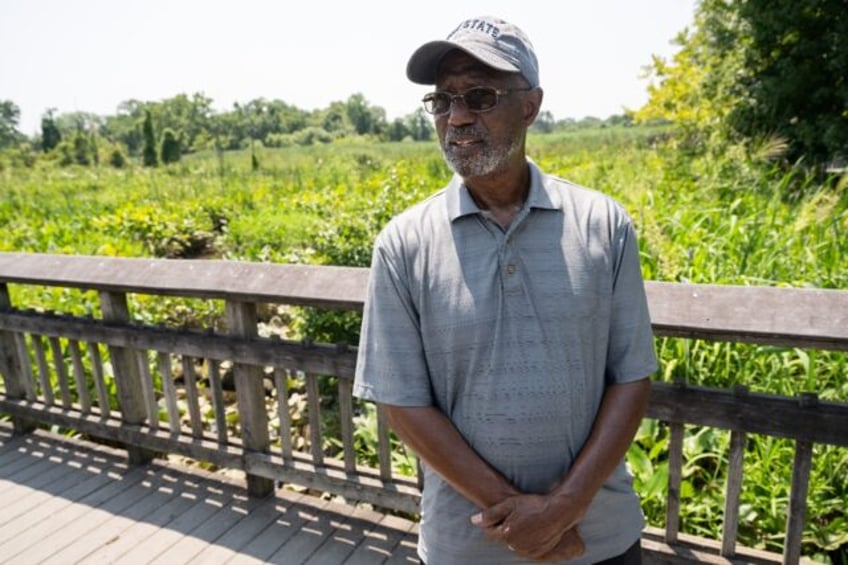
(71,122)
(148,155)
(420,125)
(170,150)
(188,115)
(123,126)
(334,119)
(754,69)
(363,117)
(81,148)
(9,116)
(117,158)
(50,134)
(796,75)
(397,130)
(544,123)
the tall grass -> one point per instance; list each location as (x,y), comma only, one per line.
(703,219)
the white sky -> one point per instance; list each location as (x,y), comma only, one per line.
(90,55)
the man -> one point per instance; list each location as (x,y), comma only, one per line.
(506,329)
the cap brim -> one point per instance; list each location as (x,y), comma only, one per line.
(423,65)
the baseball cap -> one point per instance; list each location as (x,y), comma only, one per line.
(490,40)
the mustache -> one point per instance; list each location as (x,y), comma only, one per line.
(454,133)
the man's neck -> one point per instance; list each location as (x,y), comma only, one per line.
(501,194)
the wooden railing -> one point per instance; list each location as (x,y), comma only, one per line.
(112,377)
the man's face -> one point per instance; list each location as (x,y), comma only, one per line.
(479,144)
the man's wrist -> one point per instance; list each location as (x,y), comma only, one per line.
(566,501)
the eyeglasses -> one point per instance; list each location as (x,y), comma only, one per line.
(478,99)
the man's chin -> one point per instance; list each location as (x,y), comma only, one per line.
(466,167)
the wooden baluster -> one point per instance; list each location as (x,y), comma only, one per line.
(127,377)
(282,386)
(14,366)
(61,371)
(675,472)
(79,376)
(346,417)
(170,392)
(733,488)
(250,395)
(43,371)
(798,495)
(25,367)
(99,381)
(384,445)
(313,399)
(190,383)
(148,389)
(218,400)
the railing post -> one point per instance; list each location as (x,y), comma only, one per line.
(127,376)
(11,366)
(250,395)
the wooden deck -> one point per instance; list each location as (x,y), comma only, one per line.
(69,501)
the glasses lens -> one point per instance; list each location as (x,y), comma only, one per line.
(481,99)
(437,102)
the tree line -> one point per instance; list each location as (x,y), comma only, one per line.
(161,131)
(769,76)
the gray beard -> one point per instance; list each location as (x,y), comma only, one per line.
(491,159)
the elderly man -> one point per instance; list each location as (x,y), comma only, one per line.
(506,329)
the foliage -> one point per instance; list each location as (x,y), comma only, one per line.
(10,114)
(724,218)
(117,157)
(50,134)
(148,157)
(795,85)
(170,150)
(754,70)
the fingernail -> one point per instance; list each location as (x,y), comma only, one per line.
(477,519)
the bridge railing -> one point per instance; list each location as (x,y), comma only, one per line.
(234,397)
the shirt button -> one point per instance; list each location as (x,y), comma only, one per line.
(510,269)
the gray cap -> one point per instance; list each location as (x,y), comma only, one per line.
(490,40)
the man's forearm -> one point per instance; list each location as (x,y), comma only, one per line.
(436,440)
(620,413)
(535,525)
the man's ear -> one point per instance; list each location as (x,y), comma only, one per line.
(532,105)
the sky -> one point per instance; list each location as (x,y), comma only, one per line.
(90,55)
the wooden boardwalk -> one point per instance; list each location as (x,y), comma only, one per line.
(68,501)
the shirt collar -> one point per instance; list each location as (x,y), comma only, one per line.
(460,203)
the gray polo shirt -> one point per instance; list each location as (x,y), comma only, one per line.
(514,336)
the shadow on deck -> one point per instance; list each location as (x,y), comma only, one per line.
(71,501)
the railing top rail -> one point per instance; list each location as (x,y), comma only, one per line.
(815,318)
(332,287)
(795,317)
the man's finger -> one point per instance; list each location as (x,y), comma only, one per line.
(492,516)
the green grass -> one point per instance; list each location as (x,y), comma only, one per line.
(701,219)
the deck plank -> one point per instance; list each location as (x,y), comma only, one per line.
(71,501)
(288,523)
(106,522)
(72,521)
(243,533)
(40,503)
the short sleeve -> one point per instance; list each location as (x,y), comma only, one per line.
(631,354)
(391,367)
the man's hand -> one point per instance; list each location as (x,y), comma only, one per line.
(536,526)
(569,546)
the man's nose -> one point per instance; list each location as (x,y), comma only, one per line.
(459,114)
